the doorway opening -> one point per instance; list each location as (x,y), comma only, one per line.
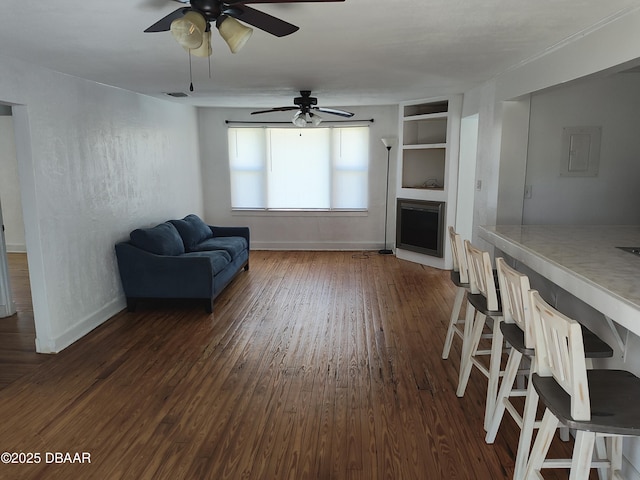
(17,327)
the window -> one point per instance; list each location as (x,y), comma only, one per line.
(299,168)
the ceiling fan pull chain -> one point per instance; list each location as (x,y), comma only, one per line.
(190,74)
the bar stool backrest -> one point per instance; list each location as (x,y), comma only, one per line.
(560,353)
(459,256)
(514,293)
(481,278)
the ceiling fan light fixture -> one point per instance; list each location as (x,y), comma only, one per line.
(205,49)
(233,32)
(300,119)
(315,119)
(189,30)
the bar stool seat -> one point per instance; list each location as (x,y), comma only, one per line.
(613,396)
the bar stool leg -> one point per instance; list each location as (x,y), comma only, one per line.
(510,373)
(473,341)
(453,321)
(614,448)
(526,432)
(541,445)
(494,372)
(582,455)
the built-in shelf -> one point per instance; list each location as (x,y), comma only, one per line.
(427,163)
(426,108)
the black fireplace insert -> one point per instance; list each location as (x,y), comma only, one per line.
(420,226)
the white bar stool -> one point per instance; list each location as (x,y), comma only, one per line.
(597,403)
(460,278)
(517,330)
(483,297)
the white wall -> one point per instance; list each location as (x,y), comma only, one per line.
(466,175)
(330,231)
(94,163)
(611,47)
(610,198)
(10,188)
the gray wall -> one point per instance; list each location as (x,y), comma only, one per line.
(611,197)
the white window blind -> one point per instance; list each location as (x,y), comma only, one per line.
(299,169)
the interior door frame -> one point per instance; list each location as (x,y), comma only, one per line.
(7,305)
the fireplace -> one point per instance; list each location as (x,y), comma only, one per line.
(420,226)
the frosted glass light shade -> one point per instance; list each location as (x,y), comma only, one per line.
(315,119)
(189,30)
(300,119)
(205,49)
(234,33)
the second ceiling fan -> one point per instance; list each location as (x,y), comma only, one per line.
(305,105)
(191,25)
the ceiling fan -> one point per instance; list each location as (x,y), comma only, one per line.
(305,105)
(191,25)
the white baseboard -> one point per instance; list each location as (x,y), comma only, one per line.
(315,246)
(80,329)
(16,248)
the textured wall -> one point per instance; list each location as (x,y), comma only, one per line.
(94,163)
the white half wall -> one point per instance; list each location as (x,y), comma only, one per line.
(94,163)
(301,231)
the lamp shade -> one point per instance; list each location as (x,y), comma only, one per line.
(189,29)
(389,141)
(205,49)
(233,32)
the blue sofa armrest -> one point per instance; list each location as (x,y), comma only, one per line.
(147,275)
(231,232)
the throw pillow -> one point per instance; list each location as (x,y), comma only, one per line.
(162,239)
(192,230)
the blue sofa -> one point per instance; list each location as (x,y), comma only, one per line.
(181,259)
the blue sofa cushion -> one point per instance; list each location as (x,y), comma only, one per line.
(219,259)
(162,239)
(233,245)
(192,230)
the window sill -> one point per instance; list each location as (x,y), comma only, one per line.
(299,213)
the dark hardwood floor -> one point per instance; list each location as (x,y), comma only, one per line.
(314,365)
(18,355)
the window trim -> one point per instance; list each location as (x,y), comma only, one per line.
(305,212)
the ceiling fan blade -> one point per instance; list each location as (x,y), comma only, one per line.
(262,20)
(164,24)
(277,109)
(232,2)
(333,111)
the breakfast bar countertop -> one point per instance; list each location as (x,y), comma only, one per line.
(582,259)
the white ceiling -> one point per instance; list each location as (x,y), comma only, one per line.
(357,52)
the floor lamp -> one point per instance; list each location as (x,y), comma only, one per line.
(388,143)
